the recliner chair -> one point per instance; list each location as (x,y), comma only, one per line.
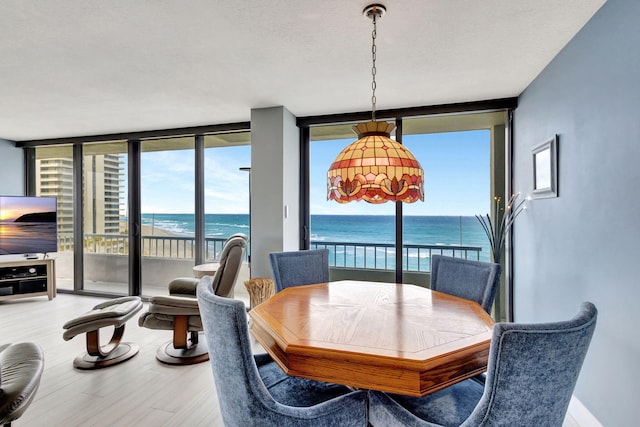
(21,367)
(179,312)
(186,286)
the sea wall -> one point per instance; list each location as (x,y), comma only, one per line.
(110,268)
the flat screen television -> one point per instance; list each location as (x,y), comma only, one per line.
(28,225)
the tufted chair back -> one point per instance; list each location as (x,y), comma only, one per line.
(473,280)
(298,268)
(244,398)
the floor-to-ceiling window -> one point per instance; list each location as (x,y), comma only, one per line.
(106,245)
(457,178)
(54,178)
(227,174)
(172,175)
(360,236)
(464,163)
(464,167)
(167,195)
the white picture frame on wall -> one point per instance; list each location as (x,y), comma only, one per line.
(545,169)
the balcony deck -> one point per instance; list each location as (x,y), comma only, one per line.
(167,257)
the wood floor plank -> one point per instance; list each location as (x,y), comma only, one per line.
(139,392)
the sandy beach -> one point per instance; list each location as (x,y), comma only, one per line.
(175,246)
(147,230)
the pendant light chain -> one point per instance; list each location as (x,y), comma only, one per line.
(373,68)
(375,168)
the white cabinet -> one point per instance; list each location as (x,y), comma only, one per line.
(27,278)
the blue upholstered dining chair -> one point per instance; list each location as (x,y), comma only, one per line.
(253,390)
(532,371)
(473,280)
(298,268)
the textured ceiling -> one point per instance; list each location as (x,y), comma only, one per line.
(87,67)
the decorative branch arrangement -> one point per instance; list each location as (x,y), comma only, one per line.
(497,233)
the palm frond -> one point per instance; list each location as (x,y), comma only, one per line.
(497,233)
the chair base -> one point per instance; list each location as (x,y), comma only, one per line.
(170,355)
(123,352)
(114,313)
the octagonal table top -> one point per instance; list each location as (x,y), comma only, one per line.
(390,337)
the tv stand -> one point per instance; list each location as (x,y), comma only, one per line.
(27,278)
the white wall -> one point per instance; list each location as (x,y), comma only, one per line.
(11,169)
(275,186)
(585,245)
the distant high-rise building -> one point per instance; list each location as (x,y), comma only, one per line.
(103,186)
(54,178)
(102,181)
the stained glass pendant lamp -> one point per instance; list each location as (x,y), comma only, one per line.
(375,168)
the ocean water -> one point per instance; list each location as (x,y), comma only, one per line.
(423,230)
(215,225)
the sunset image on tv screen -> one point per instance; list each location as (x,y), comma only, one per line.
(28,225)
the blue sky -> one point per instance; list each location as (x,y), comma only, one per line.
(456,175)
(168,183)
(12,207)
(456,171)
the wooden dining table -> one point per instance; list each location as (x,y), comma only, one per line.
(396,338)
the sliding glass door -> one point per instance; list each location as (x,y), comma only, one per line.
(54,178)
(105,239)
(461,174)
(227,175)
(167,196)
(360,236)
(457,187)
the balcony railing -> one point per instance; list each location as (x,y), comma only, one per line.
(173,247)
(382,256)
(377,256)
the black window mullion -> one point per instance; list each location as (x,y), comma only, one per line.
(78,219)
(399,218)
(135,218)
(199,200)
(305,209)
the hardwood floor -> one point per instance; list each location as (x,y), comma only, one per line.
(139,392)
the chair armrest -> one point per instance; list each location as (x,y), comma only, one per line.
(183,286)
(174,305)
